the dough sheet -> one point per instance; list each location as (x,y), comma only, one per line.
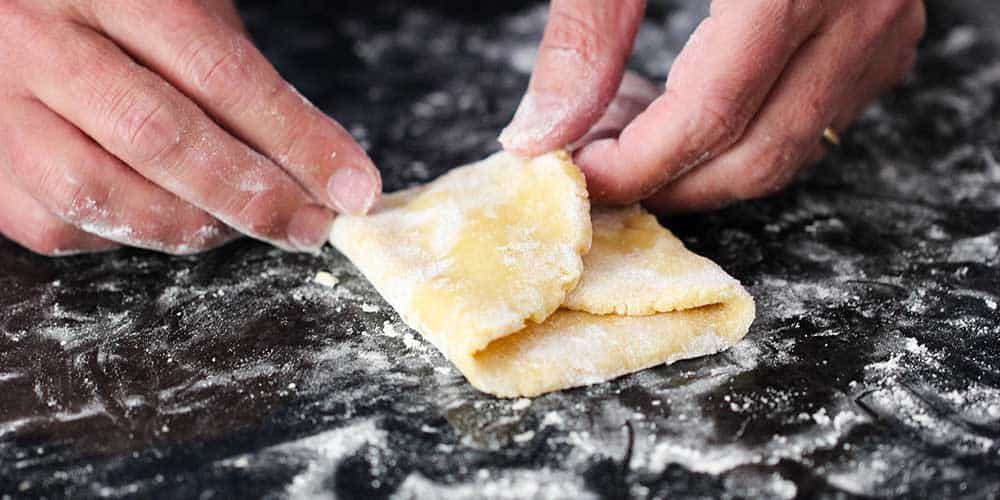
(504,267)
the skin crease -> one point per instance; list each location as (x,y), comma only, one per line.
(744,106)
(158,124)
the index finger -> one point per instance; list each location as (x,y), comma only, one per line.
(157,131)
(219,68)
(715,88)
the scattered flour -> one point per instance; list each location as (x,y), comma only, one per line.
(328,450)
(520,404)
(542,483)
(326,279)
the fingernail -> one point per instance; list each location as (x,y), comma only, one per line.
(353,190)
(535,119)
(309,228)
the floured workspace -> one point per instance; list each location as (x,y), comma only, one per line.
(555,249)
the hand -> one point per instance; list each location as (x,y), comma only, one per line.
(158,124)
(744,107)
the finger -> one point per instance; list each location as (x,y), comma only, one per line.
(895,61)
(226,10)
(85,186)
(157,131)
(634,95)
(26,221)
(875,82)
(715,88)
(829,74)
(578,68)
(221,70)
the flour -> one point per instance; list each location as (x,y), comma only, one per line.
(521,404)
(326,451)
(870,365)
(983,249)
(326,279)
(507,484)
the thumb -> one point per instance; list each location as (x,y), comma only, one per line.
(578,69)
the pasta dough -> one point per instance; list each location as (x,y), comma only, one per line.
(490,263)
(476,254)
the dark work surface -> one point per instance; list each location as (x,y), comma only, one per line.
(873,368)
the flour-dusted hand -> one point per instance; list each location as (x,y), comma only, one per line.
(158,124)
(744,107)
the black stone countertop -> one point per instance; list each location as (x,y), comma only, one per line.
(873,368)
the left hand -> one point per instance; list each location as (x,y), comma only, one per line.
(744,107)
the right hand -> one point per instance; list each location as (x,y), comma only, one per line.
(158,124)
(744,108)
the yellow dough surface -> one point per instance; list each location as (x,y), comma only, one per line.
(478,253)
(480,261)
(636,267)
(574,348)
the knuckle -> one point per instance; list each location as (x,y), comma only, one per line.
(145,124)
(215,63)
(260,215)
(722,120)
(67,195)
(574,34)
(771,171)
(294,141)
(72,199)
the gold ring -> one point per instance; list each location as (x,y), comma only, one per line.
(829,135)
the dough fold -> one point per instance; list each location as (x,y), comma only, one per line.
(493,264)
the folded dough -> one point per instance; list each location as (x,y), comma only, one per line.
(490,264)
